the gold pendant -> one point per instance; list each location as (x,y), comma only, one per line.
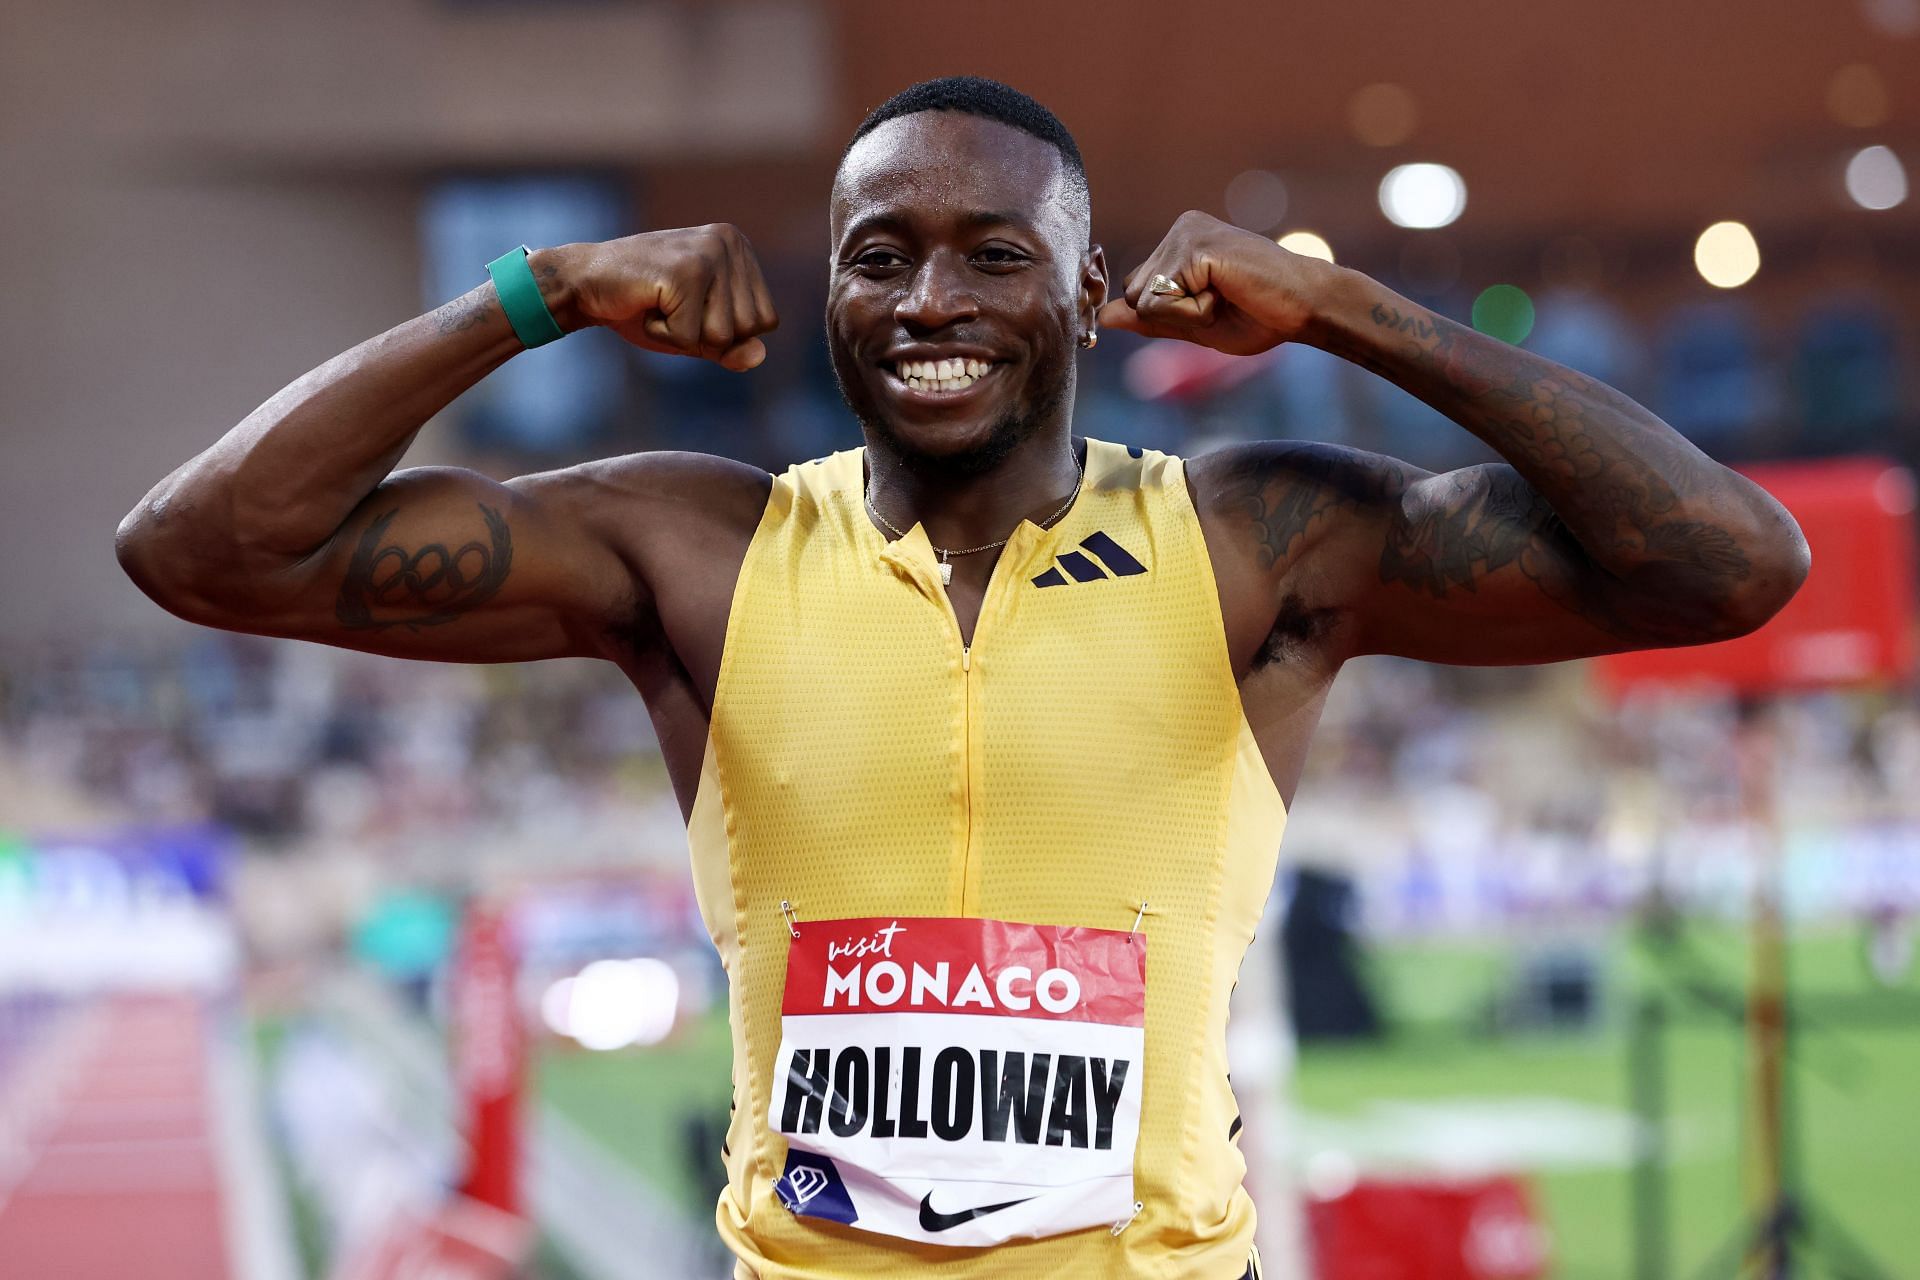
(946,573)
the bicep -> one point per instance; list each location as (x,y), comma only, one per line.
(1473,567)
(443,563)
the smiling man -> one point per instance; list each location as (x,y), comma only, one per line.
(985,732)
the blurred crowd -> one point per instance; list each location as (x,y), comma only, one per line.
(1468,798)
(290,744)
(1458,797)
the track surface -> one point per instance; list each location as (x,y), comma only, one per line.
(108,1162)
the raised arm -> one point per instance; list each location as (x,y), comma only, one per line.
(1605,530)
(291,524)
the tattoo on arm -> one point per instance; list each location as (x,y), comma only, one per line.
(1286,490)
(1622,482)
(463,312)
(1444,536)
(1490,518)
(1482,519)
(389,586)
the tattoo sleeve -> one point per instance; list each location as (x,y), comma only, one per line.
(1487,522)
(1596,480)
(391,585)
(1466,525)
(1286,491)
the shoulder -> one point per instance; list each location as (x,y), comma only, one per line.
(1273,500)
(712,482)
(659,512)
(690,489)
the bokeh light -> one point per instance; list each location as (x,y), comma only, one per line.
(1256,200)
(1726,255)
(1422,195)
(1504,311)
(611,1004)
(1308,244)
(1857,97)
(1330,1174)
(1893,490)
(1896,18)
(1382,115)
(1876,179)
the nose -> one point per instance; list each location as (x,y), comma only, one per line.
(939,295)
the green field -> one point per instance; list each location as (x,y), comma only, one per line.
(1857,1092)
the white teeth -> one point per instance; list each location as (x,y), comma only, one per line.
(941,375)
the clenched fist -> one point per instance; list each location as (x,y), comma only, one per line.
(696,291)
(1239,292)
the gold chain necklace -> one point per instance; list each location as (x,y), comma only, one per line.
(946,567)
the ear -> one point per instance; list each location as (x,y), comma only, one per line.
(1093,285)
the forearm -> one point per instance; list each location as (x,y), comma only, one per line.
(1642,502)
(279,484)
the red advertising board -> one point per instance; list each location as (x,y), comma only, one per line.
(489,1058)
(1851,623)
(1483,1229)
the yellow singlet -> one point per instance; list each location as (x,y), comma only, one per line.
(1085,755)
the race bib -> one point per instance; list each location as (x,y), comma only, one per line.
(960,1082)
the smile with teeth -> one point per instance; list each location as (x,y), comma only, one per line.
(941,375)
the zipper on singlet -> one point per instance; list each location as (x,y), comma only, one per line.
(967,716)
(966,746)
(968,781)
(1008,569)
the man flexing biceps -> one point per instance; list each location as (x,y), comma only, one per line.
(985,732)
(296,524)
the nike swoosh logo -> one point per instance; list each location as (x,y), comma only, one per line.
(933,1220)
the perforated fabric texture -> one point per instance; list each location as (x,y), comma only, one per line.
(1089,757)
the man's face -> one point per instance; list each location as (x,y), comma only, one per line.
(956,239)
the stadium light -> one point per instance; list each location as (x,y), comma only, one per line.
(1726,255)
(1307,244)
(611,1004)
(1422,196)
(1876,179)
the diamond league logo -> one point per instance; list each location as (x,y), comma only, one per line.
(811,1186)
(805,1183)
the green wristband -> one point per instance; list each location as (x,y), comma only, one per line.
(520,298)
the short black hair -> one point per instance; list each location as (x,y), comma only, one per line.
(988,99)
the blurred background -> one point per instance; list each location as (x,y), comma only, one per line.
(295,943)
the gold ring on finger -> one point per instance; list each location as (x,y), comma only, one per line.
(1165,287)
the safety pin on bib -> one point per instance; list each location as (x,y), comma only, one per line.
(1136,919)
(1127,1221)
(793,924)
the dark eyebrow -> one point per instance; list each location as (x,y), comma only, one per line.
(872,222)
(968,221)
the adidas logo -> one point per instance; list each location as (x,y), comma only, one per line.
(1108,559)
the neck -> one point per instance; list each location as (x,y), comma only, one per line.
(965,508)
